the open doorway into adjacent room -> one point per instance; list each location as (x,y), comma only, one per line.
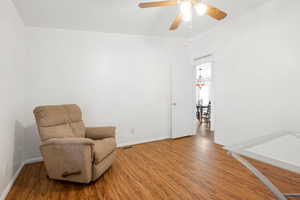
(204,99)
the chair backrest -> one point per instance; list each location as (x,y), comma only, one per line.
(59,121)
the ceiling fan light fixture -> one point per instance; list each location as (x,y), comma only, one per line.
(200,8)
(186,10)
(187,17)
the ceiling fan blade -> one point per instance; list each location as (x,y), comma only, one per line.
(158,4)
(215,13)
(176,23)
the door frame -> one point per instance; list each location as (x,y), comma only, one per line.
(209,58)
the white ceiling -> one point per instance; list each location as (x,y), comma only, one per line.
(120,16)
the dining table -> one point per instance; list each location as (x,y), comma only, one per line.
(200,109)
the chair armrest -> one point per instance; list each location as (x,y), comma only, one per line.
(69,159)
(68,141)
(97,133)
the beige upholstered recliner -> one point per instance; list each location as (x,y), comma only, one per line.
(71,151)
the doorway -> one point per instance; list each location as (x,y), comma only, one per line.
(204,98)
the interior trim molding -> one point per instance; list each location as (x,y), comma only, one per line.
(11,182)
(39,159)
(13,179)
(142,141)
(202,57)
(276,163)
(33,160)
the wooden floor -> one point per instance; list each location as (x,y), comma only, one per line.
(184,169)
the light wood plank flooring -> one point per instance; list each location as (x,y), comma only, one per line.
(184,169)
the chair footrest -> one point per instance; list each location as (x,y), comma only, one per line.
(66,174)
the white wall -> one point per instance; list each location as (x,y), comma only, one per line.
(125,80)
(116,80)
(256,72)
(12,92)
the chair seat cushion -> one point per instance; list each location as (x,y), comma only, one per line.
(103,148)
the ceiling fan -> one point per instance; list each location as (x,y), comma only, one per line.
(186,10)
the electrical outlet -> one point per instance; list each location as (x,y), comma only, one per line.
(3,171)
(132,131)
(6,169)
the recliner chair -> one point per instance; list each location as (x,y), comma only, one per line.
(71,151)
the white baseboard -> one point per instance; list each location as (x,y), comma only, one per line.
(268,160)
(12,181)
(39,159)
(10,184)
(33,160)
(142,141)
(244,149)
